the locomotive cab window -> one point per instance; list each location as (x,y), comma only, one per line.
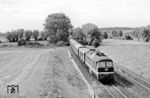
(109,64)
(101,64)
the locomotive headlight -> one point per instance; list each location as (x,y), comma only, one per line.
(106,69)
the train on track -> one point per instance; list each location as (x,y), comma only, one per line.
(97,63)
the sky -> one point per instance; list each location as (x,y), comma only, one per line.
(30,14)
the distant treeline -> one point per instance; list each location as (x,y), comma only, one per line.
(117,28)
(21,34)
(140,34)
(58,28)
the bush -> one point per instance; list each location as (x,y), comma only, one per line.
(34,44)
(105,35)
(40,39)
(21,42)
(60,43)
(96,42)
(147,39)
(128,37)
(53,40)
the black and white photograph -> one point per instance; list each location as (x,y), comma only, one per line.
(74,48)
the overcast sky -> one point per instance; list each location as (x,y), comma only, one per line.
(30,14)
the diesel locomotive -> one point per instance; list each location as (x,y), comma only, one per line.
(97,62)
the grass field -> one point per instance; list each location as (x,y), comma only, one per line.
(131,54)
(39,72)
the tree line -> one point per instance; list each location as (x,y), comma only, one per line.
(58,28)
(141,34)
(21,34)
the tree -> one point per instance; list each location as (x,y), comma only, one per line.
(95,33)
(58,23)
(92,32)
(61,36)
(12,36)
(78,34)
(135,34)
(9,36)
(28,35)
(115,33)
(145,34)
(87,27)
(15,35)
(120,34)
(20,33)
(44,35)
(105,35)
(128,37)
(35,34)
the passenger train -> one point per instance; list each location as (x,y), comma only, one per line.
(97,63)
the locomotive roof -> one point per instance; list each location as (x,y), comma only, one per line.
(98,56)
(101,58)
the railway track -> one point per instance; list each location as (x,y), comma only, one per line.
(134,76)
(140,85)
(110,88)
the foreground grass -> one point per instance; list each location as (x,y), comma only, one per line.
(61,79)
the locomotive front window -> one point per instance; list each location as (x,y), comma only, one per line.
(109,64)
(101,64)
